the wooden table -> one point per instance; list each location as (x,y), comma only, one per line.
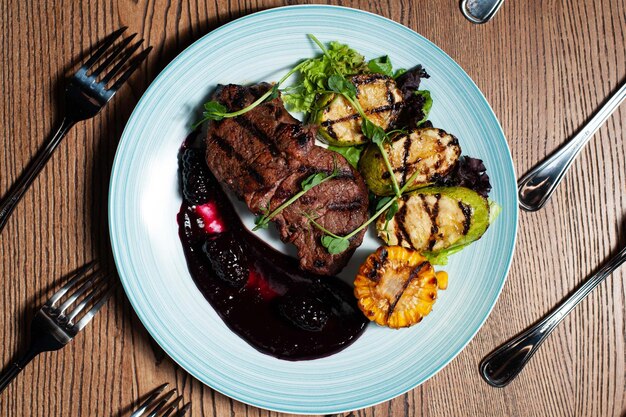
(544,66)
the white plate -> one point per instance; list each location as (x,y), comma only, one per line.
(144,200)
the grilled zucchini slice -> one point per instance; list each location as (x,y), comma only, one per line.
(340,124)
(431,152)
(436,218)
(396,287)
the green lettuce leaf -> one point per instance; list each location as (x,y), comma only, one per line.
(315,72)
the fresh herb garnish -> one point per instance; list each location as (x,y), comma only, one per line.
(313,180)
(335,245)
(351,153)
(381,65)
(213,110)
(338,244)
(262,221)
(340,85)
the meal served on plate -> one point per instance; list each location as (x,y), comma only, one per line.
(385,164)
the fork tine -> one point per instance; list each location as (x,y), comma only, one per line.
(113,55)
(162,403)
(105,295)
(106,45)
(95,277)
(144,406)
(121,62)
(76,276)
(183,410)
(86,300)
(134,64)
(170,408)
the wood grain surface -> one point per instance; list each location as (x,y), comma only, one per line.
(544,66)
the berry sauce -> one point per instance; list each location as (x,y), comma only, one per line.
(280,310)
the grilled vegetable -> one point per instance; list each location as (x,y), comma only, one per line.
(436,218)
(340,124)
(395,287)
(430,151)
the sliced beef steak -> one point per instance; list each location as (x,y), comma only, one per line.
(264,155)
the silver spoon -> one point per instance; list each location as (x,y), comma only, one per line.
(480,11)
(503,364)
(536,187)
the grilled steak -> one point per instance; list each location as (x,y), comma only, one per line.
(265,154)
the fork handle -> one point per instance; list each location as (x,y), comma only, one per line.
(536,187)
(503,364)
(11,371)
(16,192)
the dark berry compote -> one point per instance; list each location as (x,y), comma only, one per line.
(260,293)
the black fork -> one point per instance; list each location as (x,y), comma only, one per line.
(161,407)
(55,325)
(86,94)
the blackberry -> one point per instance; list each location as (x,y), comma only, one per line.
(304,312)
(196,177)
(227,260)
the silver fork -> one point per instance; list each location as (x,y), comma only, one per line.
(85,95)
(161,407)
(54,325)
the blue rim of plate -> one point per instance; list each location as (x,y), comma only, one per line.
(121,261)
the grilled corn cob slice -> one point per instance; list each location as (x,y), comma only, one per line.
(395,287)
(340,124)
(436,218)
(431,152)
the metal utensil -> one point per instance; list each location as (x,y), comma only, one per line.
(502,365)
(160,406)
(54,325)
(85,95)
(480,11)
(536,187)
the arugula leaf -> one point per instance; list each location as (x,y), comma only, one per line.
(313,180)
(214,107)
(383,201)
(351,153)
(393,209)
(428,104)
(261,222)
(212,111)
(335,245)
(373,132)
(381,65)
(274,93)
(339,84)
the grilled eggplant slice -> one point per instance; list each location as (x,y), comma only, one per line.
(436,218)
(431,152)
(396,287)
(340,124)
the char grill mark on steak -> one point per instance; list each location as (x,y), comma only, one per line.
(230,152)
(266,154)
(257,133)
